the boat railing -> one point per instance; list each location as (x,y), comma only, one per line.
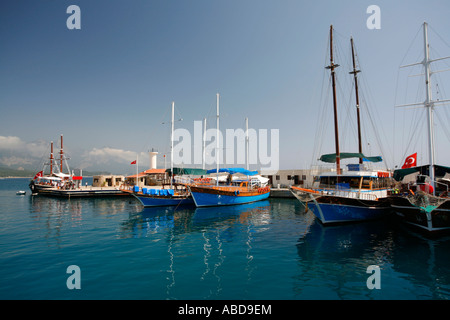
(249,184)
(186,180)
(363,195)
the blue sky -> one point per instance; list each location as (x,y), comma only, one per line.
(108,86)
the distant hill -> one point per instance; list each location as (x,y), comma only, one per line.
(8,172)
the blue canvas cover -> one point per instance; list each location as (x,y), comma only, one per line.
(234,170)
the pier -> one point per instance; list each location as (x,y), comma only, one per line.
(280,193)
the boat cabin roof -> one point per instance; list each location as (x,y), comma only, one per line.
(357,174)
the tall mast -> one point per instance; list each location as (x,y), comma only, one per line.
(332,66)
(428,102)
(171,143)
(204,143)
(246,143)
(51,158)
(61,154)
(217,141)
(354,72)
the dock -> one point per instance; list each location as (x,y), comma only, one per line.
(280,193)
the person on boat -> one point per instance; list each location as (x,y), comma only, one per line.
(424,186)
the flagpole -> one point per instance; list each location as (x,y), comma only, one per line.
(137,169)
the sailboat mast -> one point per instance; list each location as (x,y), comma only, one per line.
(332,66)
(354,72)
(61,153)
(428,103)
(246,144)
(51,158)
(217,142)
(171,143)
(204,144)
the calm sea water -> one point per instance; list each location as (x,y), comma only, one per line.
(266,250)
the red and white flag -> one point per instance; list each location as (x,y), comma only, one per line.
(134,162)
(39,174)
(410,161)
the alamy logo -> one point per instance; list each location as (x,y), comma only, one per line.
(73,281)
(261,149)
(373,281)
(74,20)
(374,21)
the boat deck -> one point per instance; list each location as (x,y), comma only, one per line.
(84,191)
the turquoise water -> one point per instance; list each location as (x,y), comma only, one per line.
(268,250)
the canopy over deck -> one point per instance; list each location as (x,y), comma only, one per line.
(234,170)
(440,171)
(331,158)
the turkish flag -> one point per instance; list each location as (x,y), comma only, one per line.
(39,174)
(134,162)
(410,161)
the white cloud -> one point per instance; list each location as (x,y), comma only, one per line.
(10,143)
(14,161)
(107,156)
(14,151)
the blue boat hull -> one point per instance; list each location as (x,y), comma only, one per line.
(155,201)
(202,199)
(341,213)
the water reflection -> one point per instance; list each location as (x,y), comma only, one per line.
(334,259)
(54,214)
(213,249)
(424,262)
(209,230)
(188,219)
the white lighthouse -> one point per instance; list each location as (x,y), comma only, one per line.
(153,159)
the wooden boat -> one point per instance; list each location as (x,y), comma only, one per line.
(163,197)
(427,211)
(358,196)
(355,195)
(176,194)
(240,192)
(247,191)
(56,180)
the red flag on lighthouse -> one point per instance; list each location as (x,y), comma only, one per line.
(410,161)
(134,162)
